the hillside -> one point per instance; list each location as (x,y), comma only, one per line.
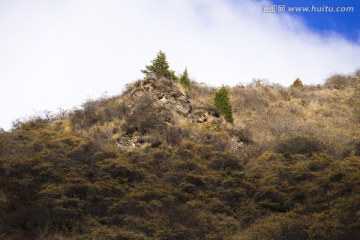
(160,162)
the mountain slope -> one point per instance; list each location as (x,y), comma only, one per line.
(159,162)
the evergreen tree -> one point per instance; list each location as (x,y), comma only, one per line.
(222,101)
(185,80)
(298,85)
(160,67)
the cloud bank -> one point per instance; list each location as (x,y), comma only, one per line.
(58,53)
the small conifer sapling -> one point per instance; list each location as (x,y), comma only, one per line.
(298,85)
(185,80)
(222,101)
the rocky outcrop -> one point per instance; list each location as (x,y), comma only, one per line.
(160,114)
(165,92)
(155,106)
(206,115)
(136,141)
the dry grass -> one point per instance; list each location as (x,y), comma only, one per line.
(290,158)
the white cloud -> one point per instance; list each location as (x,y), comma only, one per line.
(58,53)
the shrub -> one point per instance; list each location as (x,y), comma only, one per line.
(357,72)
(249,98)
(244,135)
(142,122)
(144,118)
(276,226)
(226,162)
(215,140)
(173,135)
(340,82)
(357,148)
(259,82)
(222,101)
(300,145)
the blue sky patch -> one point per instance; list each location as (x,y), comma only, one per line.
(327,16)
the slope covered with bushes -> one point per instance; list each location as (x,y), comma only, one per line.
(161,162)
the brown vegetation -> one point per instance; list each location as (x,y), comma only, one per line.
(161,163)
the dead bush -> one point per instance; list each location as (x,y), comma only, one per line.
(215,140)
(250,98)
(340,82)
(142,122)
(243,134)
(173,135)
(227,162)
(300,145)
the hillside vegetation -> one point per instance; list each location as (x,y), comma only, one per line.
(160,161)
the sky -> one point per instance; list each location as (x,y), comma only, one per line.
(56,54)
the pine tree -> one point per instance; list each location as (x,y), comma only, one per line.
(185,80)
(298,85)
(222,101)
(160,67)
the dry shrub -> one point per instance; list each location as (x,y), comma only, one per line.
(249,98)
(340,82)
(90,114)
(148,119)
(217,141)
(227,162)
(200,94)
(143,118)
(357,73)
(34,123)
(312,87)
(130,87)
(243,134)
(164,85)
(150,123)
(141,122)
(98,111)
(297,93)
(173,135)
(303,145)
(276,226)
(357,148)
